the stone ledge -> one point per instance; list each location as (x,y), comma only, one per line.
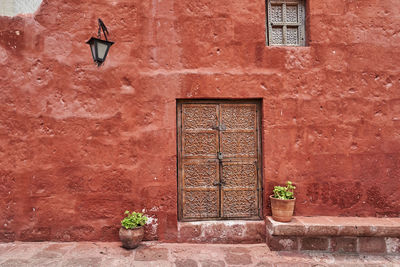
(335,234)
(229,232)
(335,226)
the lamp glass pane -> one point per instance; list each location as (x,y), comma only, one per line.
(93,48)
(101,50)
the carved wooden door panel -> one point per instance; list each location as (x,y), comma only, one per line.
(218,160)
(239,190)
(199,162)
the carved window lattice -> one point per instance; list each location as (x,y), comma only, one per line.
(286,23)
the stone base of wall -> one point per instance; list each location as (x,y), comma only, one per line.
(374,245)
(335,234)
(229,232)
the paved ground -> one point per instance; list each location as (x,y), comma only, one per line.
(181,255)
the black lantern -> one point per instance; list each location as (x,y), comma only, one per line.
(98,46)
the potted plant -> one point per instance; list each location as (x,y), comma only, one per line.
(282,202)
(132,232)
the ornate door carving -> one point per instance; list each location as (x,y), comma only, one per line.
(218,160)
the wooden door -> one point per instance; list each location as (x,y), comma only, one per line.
(219,160)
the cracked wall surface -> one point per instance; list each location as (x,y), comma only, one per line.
(80,144)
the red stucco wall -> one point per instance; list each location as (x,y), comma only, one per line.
(80,144)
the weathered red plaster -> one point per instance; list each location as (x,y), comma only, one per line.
(81,144)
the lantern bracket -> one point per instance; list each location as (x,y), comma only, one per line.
(103,27)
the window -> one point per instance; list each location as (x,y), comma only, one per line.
(285,23)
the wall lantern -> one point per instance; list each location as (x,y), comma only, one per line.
(98,46)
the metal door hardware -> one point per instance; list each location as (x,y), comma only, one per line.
(221,127)
(219,183)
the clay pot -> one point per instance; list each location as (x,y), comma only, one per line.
(282,209)
(131,238)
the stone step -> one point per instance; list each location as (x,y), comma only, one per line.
(228,232)
(335,234)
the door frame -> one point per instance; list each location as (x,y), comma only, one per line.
(258,103)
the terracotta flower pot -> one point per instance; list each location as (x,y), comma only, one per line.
(131,238)
(282,209)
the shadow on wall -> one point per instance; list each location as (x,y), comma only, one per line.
(14,7)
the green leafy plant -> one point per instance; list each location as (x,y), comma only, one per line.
(284,192)
(133,220)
